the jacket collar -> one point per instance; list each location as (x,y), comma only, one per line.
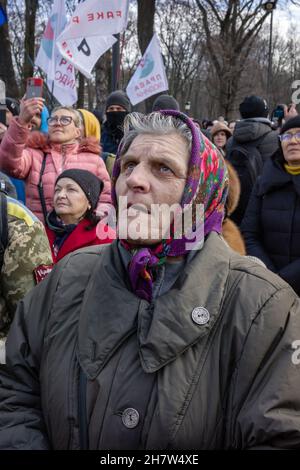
(38,140)
(275,177)
(110,312)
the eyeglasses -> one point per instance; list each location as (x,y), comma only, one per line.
(63,120)
(287,137)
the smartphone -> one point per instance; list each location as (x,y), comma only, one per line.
(2,103)
(34,87)
(279,112)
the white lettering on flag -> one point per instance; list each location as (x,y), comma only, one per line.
(89,34)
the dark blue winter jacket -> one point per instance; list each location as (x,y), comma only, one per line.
(271,226)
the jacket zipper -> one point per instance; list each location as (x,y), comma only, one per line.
(64,155)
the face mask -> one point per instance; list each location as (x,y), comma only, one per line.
(115,119)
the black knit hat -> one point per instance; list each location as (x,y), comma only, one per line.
(90,184)
(254,107)
(165,102)
(13,106)
(291,124)
(120,98)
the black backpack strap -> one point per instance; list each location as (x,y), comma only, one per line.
(3,227)
(41,189)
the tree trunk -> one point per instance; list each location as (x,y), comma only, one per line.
(7,73)
(145,22)
(80,101)
(103,79)
(145,26)
(30,15)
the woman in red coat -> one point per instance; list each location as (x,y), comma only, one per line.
(73,224)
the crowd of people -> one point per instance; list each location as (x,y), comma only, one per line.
(179,335)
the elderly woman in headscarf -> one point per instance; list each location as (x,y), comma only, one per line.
(164,339)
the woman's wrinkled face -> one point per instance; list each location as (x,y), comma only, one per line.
(62,128)
(70,202)
(153,176)
(290,144)
(220,139)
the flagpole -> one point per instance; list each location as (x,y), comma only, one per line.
(116,63)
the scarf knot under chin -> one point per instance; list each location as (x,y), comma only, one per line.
(143,265)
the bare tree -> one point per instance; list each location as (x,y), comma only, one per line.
(7,72)
(182,45)
(145,28)
(230,28)
(29,40)
(145,22)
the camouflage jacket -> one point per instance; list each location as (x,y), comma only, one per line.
(27,248)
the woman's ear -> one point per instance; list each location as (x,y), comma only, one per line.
(78,132)
(89,207)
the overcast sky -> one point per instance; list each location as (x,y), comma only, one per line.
(284,19)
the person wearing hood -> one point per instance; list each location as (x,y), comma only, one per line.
(255,127)
(165,338)
(90,126)
(40,158)
(116,109)
(271,225)
(73,223)
(252,143)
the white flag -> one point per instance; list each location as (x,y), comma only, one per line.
(150,76)
(60,74)
(90,32)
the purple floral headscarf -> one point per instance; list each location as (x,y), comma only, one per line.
(206,183)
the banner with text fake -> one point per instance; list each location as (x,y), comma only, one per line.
(150,76)
(89,33)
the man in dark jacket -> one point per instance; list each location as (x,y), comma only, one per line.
(166,339)
(253,133)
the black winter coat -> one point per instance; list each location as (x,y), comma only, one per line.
(271,226)
(257,132)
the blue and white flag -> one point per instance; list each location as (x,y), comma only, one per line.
(60,74)
(150,76)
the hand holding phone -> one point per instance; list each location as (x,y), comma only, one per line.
(34,87)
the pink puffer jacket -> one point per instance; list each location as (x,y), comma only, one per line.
(21,156)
